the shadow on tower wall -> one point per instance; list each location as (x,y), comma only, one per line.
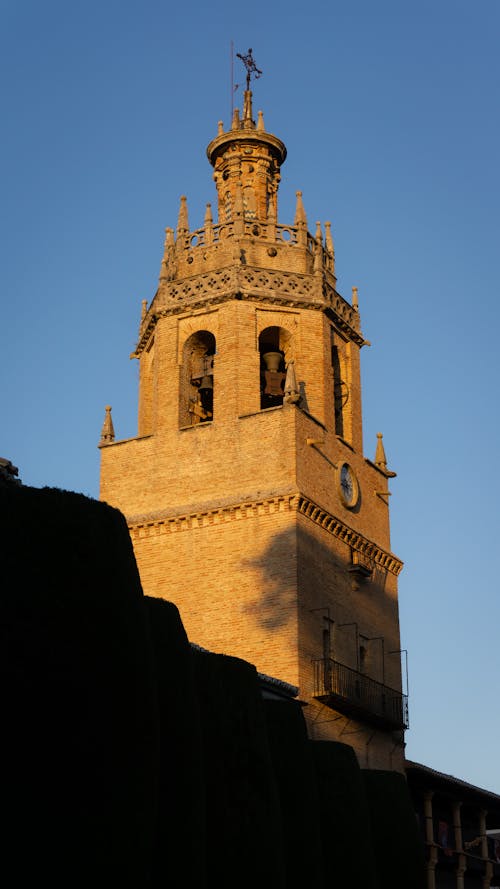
(133,759)
(299,580)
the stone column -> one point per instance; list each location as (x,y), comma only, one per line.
(429,840)
(488,871)
(462,861)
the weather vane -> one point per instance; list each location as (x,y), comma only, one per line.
(249,63)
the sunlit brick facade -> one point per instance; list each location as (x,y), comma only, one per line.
(249,499)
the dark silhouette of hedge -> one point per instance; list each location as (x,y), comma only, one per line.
(180,834)
(134,759)
(396,837)
(244,832)
(345,817)
(296,778)
(80,728)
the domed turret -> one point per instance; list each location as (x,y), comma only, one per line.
(247,157)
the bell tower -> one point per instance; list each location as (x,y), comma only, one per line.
(249,499)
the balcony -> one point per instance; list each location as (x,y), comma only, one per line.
(355,694)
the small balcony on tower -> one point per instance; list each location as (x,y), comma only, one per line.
(353,693)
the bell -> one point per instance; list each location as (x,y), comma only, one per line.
(206,383)
(272,360)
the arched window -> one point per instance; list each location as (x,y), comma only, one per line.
(196,402)
(274,349)
(340,392)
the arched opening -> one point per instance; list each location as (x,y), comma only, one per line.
(275,352)
(340,392)
(196,401)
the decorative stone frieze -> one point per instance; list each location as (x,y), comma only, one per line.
(163,523)
(355,540)
(278,288)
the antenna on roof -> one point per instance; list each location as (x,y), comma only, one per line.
(232,79)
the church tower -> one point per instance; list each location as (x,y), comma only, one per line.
(249,500)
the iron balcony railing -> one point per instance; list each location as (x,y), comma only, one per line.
(355,694)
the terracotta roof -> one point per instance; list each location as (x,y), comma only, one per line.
(450,779)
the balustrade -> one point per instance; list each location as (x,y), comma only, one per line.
(349,691)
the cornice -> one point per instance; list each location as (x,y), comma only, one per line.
(251,136)
(354,539)
(217,515)
(270,287)
(166,523)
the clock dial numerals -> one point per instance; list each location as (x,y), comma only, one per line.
(348,486)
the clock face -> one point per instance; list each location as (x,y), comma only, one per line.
(348,486)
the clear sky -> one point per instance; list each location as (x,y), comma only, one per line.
(390,113)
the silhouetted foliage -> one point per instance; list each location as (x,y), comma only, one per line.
(80,734)
(180,834)
(244,834)
(397,842)
(133,759)
(344,815)
(296,778)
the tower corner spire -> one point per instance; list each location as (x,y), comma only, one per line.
(381,459)
(300,213)
(182,221)
(107,431)
(248,121)
(292,394)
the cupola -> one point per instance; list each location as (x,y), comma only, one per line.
(246,162)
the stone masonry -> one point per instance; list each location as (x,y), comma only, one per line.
(249,500)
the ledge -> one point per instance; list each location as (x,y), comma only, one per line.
(215,514)
(112,444)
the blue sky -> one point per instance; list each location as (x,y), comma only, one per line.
(390,113)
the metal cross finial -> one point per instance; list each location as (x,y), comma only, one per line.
(250,65)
